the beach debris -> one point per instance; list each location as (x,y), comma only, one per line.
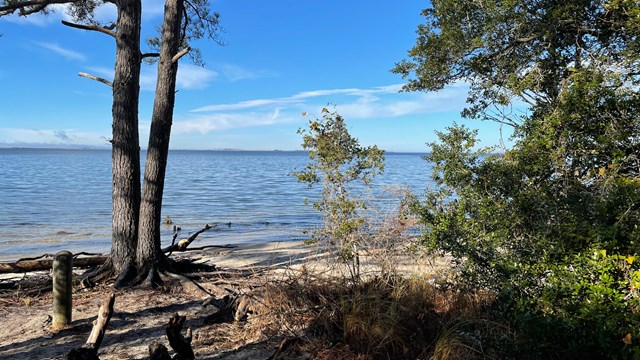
(184,243)
(89,351)
(179,343)
(45,262)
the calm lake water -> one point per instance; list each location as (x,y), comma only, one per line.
(54,200)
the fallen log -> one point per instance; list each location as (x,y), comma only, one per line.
(45,262)
(28,265)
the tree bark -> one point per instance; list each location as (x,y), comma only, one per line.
(149,254)
(126,143)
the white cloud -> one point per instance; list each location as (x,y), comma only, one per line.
(240,105)
(294,99)
(190,77)
(194,77)
(411,103)
(152,8)
(148,77)
(35,19)
(364,95)
(352,103)
(69,54)
(105,13)
(216,122)
(235,73)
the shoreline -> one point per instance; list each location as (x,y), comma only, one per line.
(238,255)
(96,248)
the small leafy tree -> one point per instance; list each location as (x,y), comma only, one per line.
(343,166)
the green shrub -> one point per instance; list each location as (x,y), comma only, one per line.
(340,164)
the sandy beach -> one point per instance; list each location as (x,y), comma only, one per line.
(140,315)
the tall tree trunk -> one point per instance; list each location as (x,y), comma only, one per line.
(149,254)
(125,142)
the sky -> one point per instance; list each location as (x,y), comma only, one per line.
(281,59)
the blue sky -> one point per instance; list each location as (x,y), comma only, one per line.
(282,58)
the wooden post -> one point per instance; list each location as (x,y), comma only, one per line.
(62,290)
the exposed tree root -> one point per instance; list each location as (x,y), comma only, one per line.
(125,276)
(188,266)
(107,272)
(164,274)
(187,284)
(149,274)
(101,273)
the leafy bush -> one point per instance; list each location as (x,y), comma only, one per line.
(559,252)
(340,164)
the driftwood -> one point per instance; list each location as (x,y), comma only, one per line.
(45,262)
(184,243)
(89,351)
(28,265)
(229,308)
(180,344)
(223,309)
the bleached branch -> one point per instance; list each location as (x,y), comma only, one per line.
(93,77)
(182,53)
(104,30)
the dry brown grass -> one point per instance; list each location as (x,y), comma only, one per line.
(380,318)
(393,309)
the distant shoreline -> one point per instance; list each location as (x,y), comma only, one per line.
(28,148)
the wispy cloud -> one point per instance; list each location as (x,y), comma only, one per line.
(190,77)
(353,103)
(216,122)
(235,73)
(450,99)
(242,105)
(104,13)
(51,136)
(301,97)
(152,8)
(67,53)
(194,77)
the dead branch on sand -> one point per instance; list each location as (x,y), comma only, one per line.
(89,351)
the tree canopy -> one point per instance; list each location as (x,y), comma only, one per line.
(551,224)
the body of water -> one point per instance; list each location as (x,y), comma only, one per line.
(54,200)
